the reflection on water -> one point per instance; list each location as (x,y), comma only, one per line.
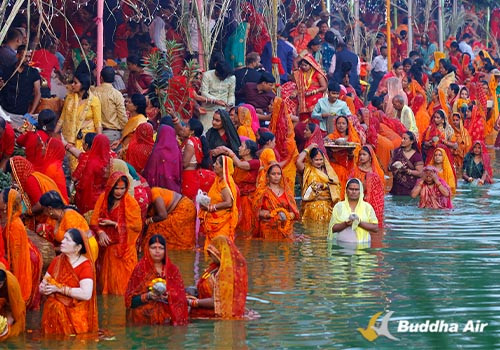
(425,265)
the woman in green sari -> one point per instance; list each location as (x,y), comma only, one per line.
(236,46)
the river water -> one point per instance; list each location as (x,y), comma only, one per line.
(427,265)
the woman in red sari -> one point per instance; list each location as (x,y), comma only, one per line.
(22,257)
(475,123)
(222,288)
(91,174)
(311,84)
(155,293)
(434,192)
(53,164)
(117,221)
(258,35)
(69,284)
(439,134)
(370,173)
(195,161)
(140,147)
(274,205)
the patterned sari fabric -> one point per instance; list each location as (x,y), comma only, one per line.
(64,315)
(225,282)
(245,120)
(32,184)
(92,173)
(317,205)
(307,82)
(464,142)
(221,222)
(19,251)
(447,173)
(53,164)
(179,226)
(117,260)
(140,147)
(475,125)
(12,304)
(175,312)
(196,179)
(282,127)
(265,199)
(436,135)
(317,138)
(430,196)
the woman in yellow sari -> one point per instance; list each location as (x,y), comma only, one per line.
(22,256)
(442,163)
(242,120)
(463,140)
(274,205)
(81,114)
(70,287)
(320,185)
(282,127)
(12,305)
(220,217)
(136,108)
(61,218)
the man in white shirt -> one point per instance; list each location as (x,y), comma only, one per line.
(379,69)
(465,45)
(404,114)
(157,28)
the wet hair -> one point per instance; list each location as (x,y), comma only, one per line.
(89,138)
(111,197)
(271,168)
(46,120)
(333,86)
(76,236)
(52,199)
(85,81)
(108,74)
(197,127)
(139,101)
(412,139)
(252,147)
(314,152)
(455,88)
(223,70)
(266,77)
(265,137)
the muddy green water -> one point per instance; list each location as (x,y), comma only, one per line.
(435,265)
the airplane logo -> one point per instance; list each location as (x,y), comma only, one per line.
(372,332)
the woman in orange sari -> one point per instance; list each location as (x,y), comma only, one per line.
(342,160)
(140,147)
(32,184)
(274,205)
(22,256)
(136,108)
(369,172)
(245,176)
(117,221)
(311,84)
(220,217)
(155,293)
(282,127)
(12,304)
(463,140)
(69,284)
(475,123)
(222,288)
(53,164)
(61,218)
(173,216)
(242,120)
(440,161)
(320,185)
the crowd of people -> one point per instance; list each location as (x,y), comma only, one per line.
(113,185)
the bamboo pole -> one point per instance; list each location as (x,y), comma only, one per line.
(274,39)
(356,27)
(410,25)
(201,52)
(100,39)
(395,14)
(440,25)
(388,34)
(488,15)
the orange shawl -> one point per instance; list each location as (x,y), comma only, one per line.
(130,127)
(231,281)
(245,119)
(447,174)
(16,304)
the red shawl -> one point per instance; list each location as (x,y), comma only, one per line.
(140,147)
(157,312)
(475,125)
(258,35)
(53,164)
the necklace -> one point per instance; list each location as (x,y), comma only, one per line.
(277,191)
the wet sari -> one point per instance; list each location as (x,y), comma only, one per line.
(226,283)
(164,166)
(307,82)
(447,173)
(175,312)
(265,199)
(221,222)
(431,197)
(402,183)
(477,170)
(62,314)
(282,127)
(246,181)
(316,204)
(117,261)
(12,303)
(179,226)
(23,257)
(53,164)
(140,147)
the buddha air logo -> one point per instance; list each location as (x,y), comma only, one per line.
(376,329)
